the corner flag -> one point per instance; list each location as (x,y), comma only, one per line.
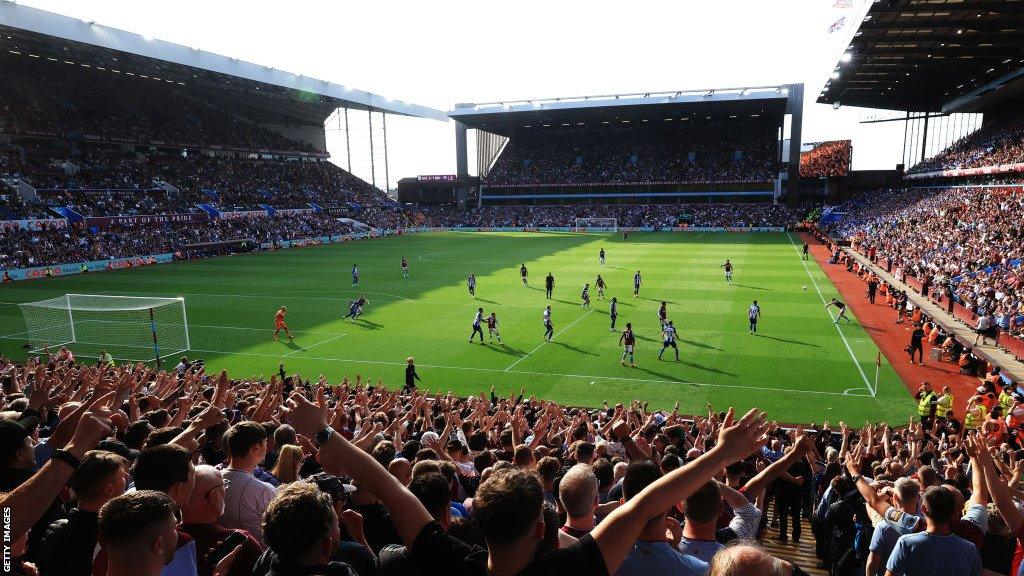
(878,367)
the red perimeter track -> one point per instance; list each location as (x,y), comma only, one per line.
(879,321)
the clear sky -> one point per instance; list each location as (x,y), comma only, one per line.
(439,53)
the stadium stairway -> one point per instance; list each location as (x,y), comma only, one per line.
(801,554)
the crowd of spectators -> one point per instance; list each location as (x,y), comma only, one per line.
(826,159)
(626,215)
(999,141)
(117,202)
(130,470)
(24,248)
(37,96)
(243,184)
(617,154)
(964,241)
(109,183)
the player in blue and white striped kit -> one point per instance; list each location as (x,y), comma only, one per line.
(668,339)
(477,319)
(549,328)
(754,314)
(355,276)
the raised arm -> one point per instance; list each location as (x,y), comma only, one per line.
(31,499)
(979,486)
(998,490)
(407,513)
(616,535)
(872,498)
(759,482)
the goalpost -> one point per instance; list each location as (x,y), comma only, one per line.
(128,327)
(596,225)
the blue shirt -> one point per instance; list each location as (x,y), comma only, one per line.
(703,550)
(933,555)
(650,558)
(883,540)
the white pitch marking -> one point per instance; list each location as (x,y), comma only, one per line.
(499,370)
(589,312)
(853,357)
(304,348)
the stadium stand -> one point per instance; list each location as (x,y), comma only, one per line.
(999,142)
(617,154)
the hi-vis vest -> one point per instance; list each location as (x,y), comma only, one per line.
(924,405)
(971,421)
(1006,402)
(944,405)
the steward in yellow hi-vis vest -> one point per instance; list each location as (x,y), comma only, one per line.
(976,414)
(944,403)
(926,399)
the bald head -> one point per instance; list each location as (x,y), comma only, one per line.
(402,469)
(206,503)
(746,558)
(578,491)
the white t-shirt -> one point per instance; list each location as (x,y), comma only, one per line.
(245,500)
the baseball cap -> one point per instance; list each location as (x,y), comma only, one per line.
(331,485)
(13,434)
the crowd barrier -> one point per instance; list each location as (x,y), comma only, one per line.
(91,266)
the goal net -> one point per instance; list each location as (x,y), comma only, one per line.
(127,327)
(596,225)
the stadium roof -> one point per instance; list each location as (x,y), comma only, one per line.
(932,56)
(504,118)
(261,92)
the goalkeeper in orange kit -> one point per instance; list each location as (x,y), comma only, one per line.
(279,323)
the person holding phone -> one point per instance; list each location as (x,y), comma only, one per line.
(213,540)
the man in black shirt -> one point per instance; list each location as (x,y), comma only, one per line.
(410,375)
(69,543)
(508,506)
(549,285)
(872,288)
(789,496)
(917,343)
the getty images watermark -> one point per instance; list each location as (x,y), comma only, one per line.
(7,540)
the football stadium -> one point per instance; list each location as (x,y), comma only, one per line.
(708,330)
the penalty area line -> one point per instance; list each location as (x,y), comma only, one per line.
(304,348)
(533,373)
(846,343)
(541,345)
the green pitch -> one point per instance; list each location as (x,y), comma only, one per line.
(799,367)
